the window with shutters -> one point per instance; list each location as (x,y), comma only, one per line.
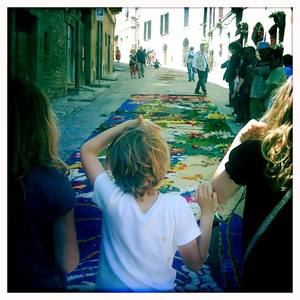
(164,24)
(204,21)
(186,17)
(147,31)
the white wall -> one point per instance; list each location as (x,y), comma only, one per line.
(125,33)
(193,32)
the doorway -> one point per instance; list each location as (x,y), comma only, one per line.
(71,54)
(185,49)
(25,54)
(165,50)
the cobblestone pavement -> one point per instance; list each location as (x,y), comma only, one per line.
(79,114)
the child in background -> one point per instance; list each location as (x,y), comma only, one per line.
(142,228)
(156,64)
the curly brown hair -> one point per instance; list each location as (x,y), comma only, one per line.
(277,138)
(139,160)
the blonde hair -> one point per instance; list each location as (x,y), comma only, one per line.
(33,127)
(139,160)
(277,140)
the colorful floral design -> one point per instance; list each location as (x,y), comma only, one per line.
(198,137)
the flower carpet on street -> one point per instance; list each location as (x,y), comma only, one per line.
(198,136)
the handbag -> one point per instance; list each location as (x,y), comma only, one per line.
(268,220)
(227,243)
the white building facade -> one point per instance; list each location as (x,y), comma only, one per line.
(170,32)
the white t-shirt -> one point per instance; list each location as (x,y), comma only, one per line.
(200,61)
(137,249)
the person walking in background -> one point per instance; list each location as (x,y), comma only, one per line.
(189,64)
(232,70)
(200,65)
(142,227)
(132,63)
(42,241)
(242,91)
(141,61)
(277,76)
(260,158)
(261,72)
(118,54)
(287,61)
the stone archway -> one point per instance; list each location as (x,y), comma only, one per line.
(185,49)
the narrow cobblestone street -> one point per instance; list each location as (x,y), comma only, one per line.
(78,116)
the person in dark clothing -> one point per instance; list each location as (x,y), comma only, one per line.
(242,92)
(232,69)
(141,60)
(42,242)
(287,61)
(261,71)
(260,158)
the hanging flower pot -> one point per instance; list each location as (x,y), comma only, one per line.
(258,33)
(273,35)
(219,25)
(278,17)
(279,20)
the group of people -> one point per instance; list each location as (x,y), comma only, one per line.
(142,228)
(252,75)
(197,62)
(138,60)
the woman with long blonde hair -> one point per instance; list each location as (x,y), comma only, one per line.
(42,243)
(260,158)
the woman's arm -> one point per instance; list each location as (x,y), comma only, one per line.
(66,252)
(221,182)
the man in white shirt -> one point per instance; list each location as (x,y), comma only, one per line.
(200,65)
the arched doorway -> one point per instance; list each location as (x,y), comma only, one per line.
(165,49)
(185,49)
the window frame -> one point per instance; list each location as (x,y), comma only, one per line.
(164,24)
(147,30)
(186,16)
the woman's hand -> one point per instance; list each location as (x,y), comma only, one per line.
(206,198)
(252,130)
